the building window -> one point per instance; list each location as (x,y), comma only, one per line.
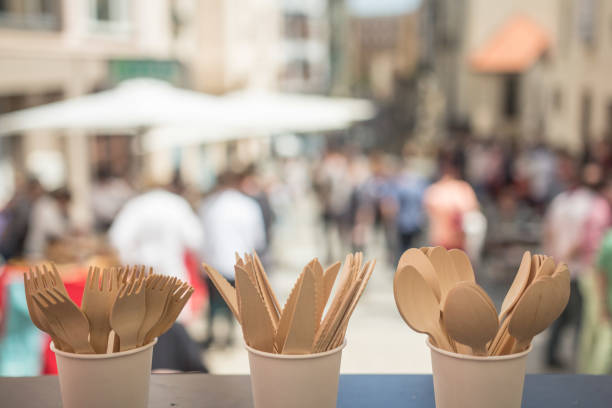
(30,14)
(296,26)
(111,16)
(298,69)
(608,130)
(587,17)
(586,107)
(511,96)
(557,100)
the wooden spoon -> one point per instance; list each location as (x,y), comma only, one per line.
(518,286)
(445,270)
(418,304)
(420,261)
(469,318)
(539,306)
(463,266)
(547,267)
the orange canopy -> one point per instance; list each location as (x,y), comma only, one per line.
(513,48)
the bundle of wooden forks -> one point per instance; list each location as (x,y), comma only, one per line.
(122,308)
(300,326)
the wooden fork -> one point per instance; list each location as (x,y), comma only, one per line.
(64,317)
(32,283)
(174,306)
(128,313)
(98,298)
(157,290)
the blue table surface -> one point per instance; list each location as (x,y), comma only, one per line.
(355,391)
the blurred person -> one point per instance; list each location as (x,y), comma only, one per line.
(176,351)
(377,205)
(109,193)
(232,223)
(409,189)
(156,229)
(251,186)
(574,226)
(446,202)
(542,166)
(159,229)
(16,219)
(48,221)
(334,189)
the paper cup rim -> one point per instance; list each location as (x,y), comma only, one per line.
(295,356)
(479,358)
(102,356)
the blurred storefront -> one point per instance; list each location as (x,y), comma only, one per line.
(54,49)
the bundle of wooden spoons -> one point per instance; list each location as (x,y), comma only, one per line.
(300,327)
(122,308)
(436,294)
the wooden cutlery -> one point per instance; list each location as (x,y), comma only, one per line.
(463,315)
(470,317)
(131,305)
(301,326)
(418,305)
(66,318)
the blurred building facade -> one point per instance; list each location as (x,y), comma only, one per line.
(305,56)
(383,48)
(56,49)
(533,70)
(51,50)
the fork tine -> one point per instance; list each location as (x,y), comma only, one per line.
(47,274)
(180,291)
(141,284)
(96,278)
(188,294)
(131,286)
(105,286)
(38,276)
(55,273)
(57,295)
(88,282)
(121,291)
(40,301)
(44,295)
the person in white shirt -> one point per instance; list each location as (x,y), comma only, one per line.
(156,229)
(232,222)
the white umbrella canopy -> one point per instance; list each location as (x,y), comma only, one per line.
(149,104)
(264,111)
(259,113)
(132,104)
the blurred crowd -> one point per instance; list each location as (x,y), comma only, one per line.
(493,200)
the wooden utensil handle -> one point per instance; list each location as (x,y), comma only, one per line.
(520,346)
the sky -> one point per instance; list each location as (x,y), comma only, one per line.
(377,8)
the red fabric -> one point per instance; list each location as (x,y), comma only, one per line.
(200,291)
(75,291)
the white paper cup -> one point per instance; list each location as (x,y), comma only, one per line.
(295,381)
(462,381)
(105,380)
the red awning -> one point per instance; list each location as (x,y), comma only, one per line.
(513,48)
